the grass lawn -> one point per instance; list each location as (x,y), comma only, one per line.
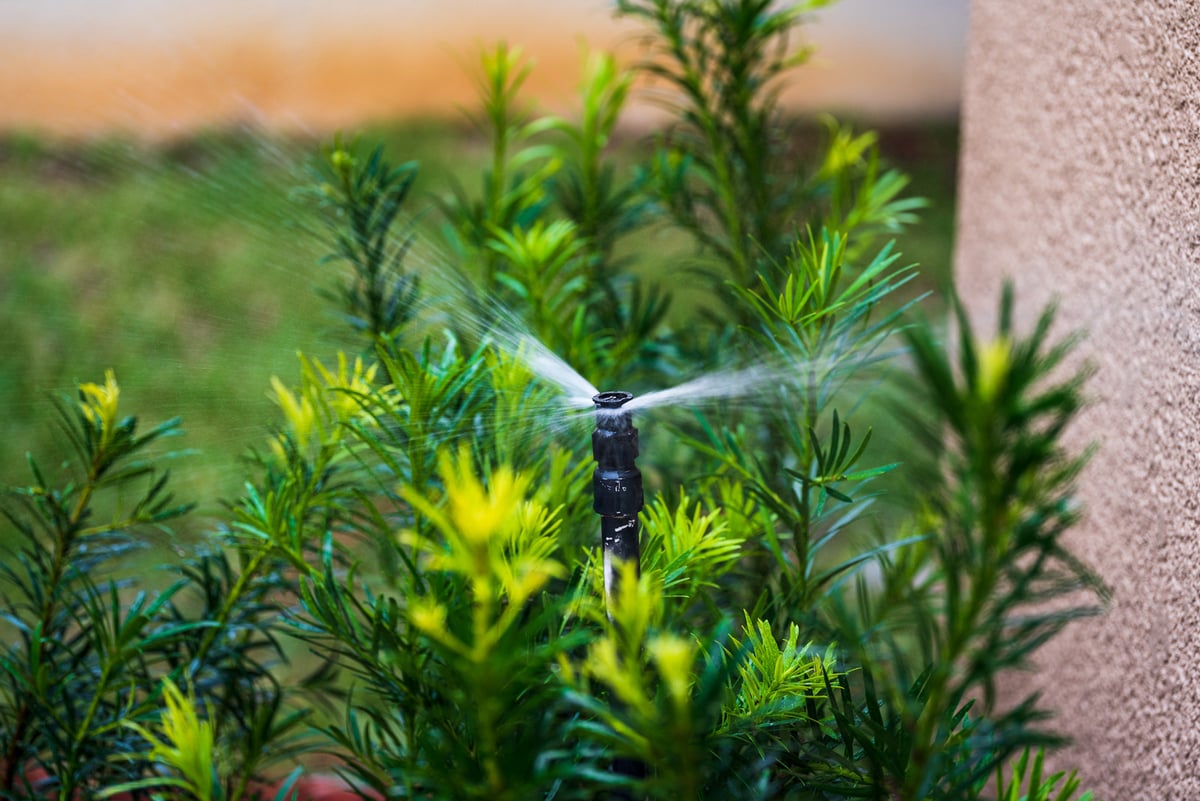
(190,268)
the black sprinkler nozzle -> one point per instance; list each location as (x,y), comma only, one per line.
(613,399)
(616,484)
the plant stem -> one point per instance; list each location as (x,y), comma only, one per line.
(63,543)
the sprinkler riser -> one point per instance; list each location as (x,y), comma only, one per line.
(616,486)
(616,482)
(617,497)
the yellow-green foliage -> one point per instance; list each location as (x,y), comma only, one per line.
(499,541)
(325,401)
(686,547)
(184,744)
(779,680)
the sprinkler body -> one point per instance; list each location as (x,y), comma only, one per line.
(616,485)
(617,498)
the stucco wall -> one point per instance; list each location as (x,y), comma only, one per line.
(1081,178)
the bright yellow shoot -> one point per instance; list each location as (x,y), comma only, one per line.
(297,410)
(99,404)
(478,512)
(183,743)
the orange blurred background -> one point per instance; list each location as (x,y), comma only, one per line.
(159,67)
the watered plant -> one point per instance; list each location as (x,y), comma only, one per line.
(410,591)
(726,169)
(92,657)
(361,205)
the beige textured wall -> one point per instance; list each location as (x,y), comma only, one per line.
(1081,178)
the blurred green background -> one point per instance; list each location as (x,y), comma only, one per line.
(191,268)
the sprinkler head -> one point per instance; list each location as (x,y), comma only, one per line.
(613,399)
(617,482)
(609,414)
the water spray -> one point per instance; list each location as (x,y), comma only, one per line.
(616,486)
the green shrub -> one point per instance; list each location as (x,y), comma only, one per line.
(411,583)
